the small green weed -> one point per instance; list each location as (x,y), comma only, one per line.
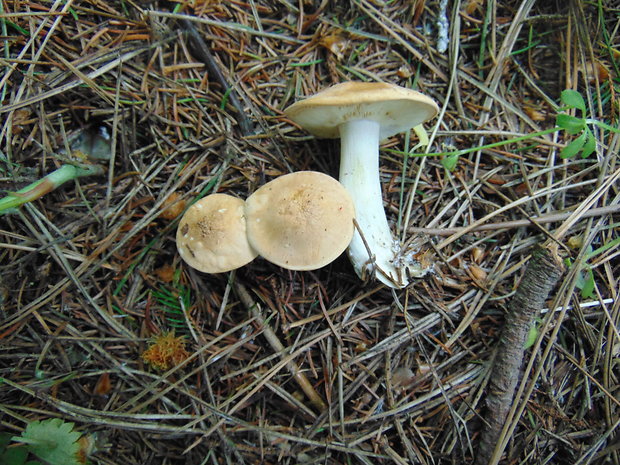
(585,278)
(580,126)
(172,301)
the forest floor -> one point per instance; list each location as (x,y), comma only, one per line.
(171,101)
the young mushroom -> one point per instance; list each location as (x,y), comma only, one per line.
(363,114)
(300,221)
(211,236)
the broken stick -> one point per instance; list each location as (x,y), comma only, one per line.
(278,347)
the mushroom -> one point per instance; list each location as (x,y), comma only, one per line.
(300,221)
(362,114)
(211,236)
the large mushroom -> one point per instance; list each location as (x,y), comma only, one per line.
(211,236)
(300,221)
(361,115)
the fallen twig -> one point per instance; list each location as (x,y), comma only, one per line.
(46,185)
(277,346)
(202,52)
(549,218)
(541,275)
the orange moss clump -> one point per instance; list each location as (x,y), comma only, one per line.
(166,351)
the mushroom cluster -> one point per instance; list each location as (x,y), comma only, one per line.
(361,115)
(304,220)
(300,221)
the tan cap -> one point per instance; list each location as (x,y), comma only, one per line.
(212,235)
(300,221)
(396,109)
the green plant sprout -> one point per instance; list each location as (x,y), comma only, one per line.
(47,184)
(532,334)
(172,301)
(585,278)
(87,147)
(584,144)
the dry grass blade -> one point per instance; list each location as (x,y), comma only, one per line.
(548,218)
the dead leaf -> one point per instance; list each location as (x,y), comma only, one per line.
(335,43)
(595,70)
(173,206)
(165,273)
(104,385)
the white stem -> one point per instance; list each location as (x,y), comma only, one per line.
(359,174)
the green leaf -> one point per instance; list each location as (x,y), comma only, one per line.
(603,125)
(574,147)
(17,27)
(14,456)
(604,248)
(5,439)
(225,98)
(53,441)
(570,124)
(11,455)
(590,145)
(449,162)
(532,335)
(587,291)
(573,99)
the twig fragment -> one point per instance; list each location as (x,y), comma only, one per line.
(277,346)
(200,49)
(542,219)
(47,184)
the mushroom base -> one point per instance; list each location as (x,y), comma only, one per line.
(373,249)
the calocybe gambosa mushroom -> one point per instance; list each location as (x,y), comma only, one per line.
(363,114)
(211,236)
(300,221)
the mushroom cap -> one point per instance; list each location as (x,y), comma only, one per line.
(211,236)
(396,109)
(300,221)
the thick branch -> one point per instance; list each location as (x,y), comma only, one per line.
(541,275)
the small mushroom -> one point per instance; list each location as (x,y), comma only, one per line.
(363,114)
(300,221)
(211,236)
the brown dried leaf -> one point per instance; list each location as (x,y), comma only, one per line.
(536,114)
(471,6)
(477,254)
(104,385)
(173,206)
(477,273)
(335,43)
(595,70)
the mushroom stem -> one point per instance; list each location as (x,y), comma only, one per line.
(359,174)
